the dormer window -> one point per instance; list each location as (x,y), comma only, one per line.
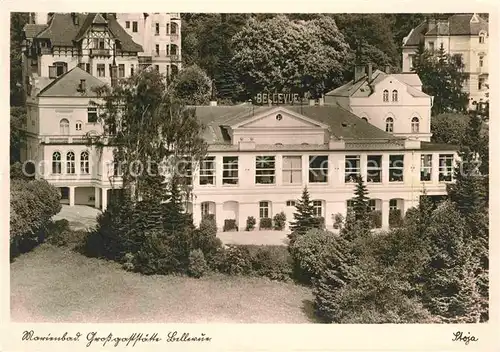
(386,95)
(394,95)
(58,69)
(482,36)
(92,114)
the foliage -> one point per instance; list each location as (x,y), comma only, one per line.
(17,22)
(449,128)
(234,260)
(279,221)
(197,263)
(155,256)
(205,238)
(304,218)
(376,219)
(266,224)
(251,222)
(230,225)
(442,77)
(395,218)
(60,234)
(193,86)
(128,262)
(17,133)
(338,221)
(278,53)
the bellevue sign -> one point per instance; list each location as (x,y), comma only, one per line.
(277,98)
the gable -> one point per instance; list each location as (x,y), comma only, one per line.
(68,85)
(280,118)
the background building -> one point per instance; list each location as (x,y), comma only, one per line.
(463,34)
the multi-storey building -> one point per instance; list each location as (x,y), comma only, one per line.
(160,36)
(392,102)
(461,34)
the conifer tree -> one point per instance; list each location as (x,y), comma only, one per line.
(304,218)
(361,206)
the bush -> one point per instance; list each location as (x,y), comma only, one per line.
(234,260)
(338,221)
(128,262)
(279,221)
(321,222)
(251,222)
(273,262)
(266,224)
(205,238)
(310,253)
(155,256)
(197,263)
(230,225)
(376,219)
(395,218)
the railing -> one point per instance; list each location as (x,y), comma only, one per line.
(100,52)
(65,139)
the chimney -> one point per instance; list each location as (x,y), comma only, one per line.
(370,71)
(75,19)
(359,71)
(387,69)
(83,86)
(114,75)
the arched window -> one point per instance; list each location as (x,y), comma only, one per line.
(56,163)
(386,95)
(364,119)
(64,126)
(174,70)
(84,163)
(394,95)
(173,28)
(174,49)
(70,163)
(415,125)
(78,125)
(389,124)
(482,35)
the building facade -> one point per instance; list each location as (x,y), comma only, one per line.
(160,36)
(461,34)
(392,102)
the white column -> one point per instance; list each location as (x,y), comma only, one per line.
(219,216)
(305,170)
(71,196)
(278,166)
(196,213)
(385,214)
(435,168)
(218,170)
(104,199)
(97,197)
(385,169)
(364,170)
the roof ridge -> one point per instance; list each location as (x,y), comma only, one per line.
(51,84)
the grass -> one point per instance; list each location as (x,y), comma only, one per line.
(52,284)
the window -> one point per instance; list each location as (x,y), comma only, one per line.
(84,163)
(127,24)
(173,28)
(121,70)
(173,49)
(431,46)
(425,167)
(412,60)
(481,38)
(70,163)
(393,204)
(290,203)
(185,171)
(264,209)
(87,68)
(318,169)
(101,70)
(386,95)
(415,125)
(58,69)
(64,126)
(207,171)
(396,168)
(374,168)
(364,119)
(394,95)
(167,27)
(317,208)
(157,68)
(230,170)
(132,69)
(56,163)
(389,124)
(78,126)
(117,168)
(445,167)
(157,49)
(265,170)
(292,169)
(157,29)
(167,50)
(92,114)
(480,83)
(134,27)
(205,209)
(372,204)
(352,168)
(101,44)
(481,61)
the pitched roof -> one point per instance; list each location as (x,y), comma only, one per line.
(62,31)
(342,123)
(364,88)
(459,24)
(67,85)
(31,30)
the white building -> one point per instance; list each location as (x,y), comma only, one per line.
(463,34)
(392,102)
(160,36)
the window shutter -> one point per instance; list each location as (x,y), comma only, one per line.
(52,72)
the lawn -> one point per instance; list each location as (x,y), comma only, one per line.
(53,284)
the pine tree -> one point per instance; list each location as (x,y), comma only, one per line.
(361,206)
(304,218)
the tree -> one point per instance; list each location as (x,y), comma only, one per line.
(279,54)
(17,133)
(17,22)
(193,86)
(442,77)
(449,128)
(360,202)
(304,218)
